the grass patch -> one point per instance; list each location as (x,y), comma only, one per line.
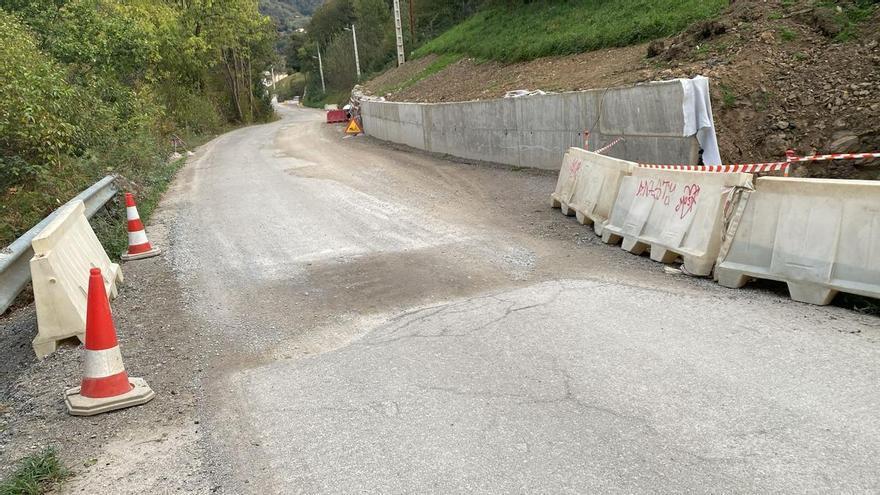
(728,97)
(436,66)
(850,15)
(787,34)
(35,474)
(525,31)
(707,48)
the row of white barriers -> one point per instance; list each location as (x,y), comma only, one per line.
(819,236)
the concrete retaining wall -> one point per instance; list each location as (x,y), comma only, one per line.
(536,131)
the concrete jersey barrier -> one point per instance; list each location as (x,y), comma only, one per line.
(567,181)
(596,190)
(587,186)
(819,236)
(63,254)
(674,213)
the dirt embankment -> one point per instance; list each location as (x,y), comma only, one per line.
(781,78)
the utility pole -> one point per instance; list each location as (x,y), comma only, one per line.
(273,78)
(399,32)
(412,22)
(321,69)
(357,60)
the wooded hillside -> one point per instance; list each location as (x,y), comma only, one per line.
(93,86)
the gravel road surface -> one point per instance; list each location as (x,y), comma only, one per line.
(391,322)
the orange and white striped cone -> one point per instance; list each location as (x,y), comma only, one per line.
(105,385)
(138,244)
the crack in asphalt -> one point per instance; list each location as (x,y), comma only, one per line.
(465,307)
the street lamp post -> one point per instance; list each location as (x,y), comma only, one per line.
(357,60)
(398,33)
(321,70)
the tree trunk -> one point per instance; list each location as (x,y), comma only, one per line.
(232,78)
(250,85)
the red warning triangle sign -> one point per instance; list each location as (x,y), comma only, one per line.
(353,127)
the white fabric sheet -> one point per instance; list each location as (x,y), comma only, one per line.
(698,117)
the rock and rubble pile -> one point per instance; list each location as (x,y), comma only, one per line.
(783,78)
(796,75)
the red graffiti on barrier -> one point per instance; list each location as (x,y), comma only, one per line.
(687,200)
(659,190)
(574,168)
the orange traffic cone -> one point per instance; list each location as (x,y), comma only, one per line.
(105,384)
(138,244)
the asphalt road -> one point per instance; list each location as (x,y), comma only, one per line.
(383,321)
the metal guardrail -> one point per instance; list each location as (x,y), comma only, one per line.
(15,270)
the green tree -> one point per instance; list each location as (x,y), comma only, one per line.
(375,31)
(292,56)
(331,19)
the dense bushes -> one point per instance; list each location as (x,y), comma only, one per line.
(40,114)
(89,87)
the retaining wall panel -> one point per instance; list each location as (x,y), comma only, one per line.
(647,110)
(543,149)
(664,150)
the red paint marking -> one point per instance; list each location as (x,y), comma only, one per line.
(658,190)
(687,200)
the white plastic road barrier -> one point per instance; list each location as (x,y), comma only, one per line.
(572,164)
(819,236)
(596,187)
(674,213)
(15,271)
(64,252)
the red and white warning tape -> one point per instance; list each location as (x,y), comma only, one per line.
(744,167)
(836,156)
(609,146)
(785,166)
